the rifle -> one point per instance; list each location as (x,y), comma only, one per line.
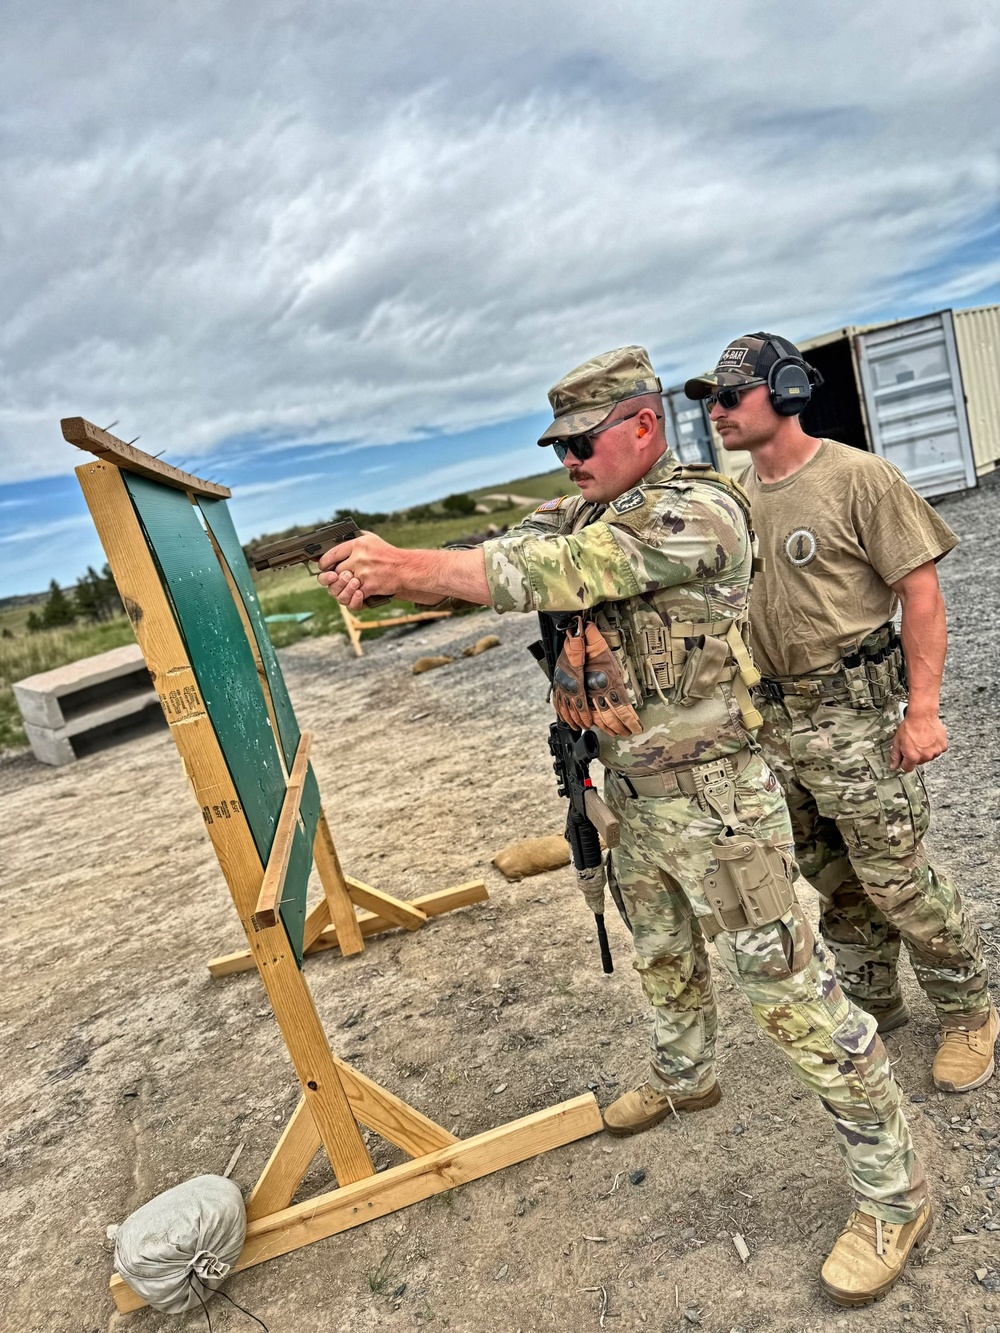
(588,818)
(305,547)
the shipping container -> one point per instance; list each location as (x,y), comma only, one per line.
(924,393)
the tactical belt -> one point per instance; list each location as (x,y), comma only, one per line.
(871,675)
(691,779)
(809,687)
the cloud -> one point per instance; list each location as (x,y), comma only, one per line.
(372,223)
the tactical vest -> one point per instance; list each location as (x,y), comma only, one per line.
(682,661)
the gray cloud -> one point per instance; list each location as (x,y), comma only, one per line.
(357,222)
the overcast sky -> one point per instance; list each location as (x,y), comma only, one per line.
(274,239)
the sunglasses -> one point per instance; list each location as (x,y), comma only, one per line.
(728,398)
(582,446)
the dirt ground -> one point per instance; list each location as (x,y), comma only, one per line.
(126,1069)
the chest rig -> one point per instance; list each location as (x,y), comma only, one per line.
(680,661)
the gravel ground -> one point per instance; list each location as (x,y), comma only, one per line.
(127,1069)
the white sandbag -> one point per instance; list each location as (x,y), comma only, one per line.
(182,1244)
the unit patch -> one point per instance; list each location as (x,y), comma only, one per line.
(547,506)
(629,501)
(800,547)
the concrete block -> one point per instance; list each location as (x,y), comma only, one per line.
(93,695)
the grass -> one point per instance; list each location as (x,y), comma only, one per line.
(25,654)
(281,591)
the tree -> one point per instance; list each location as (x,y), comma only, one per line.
(96,596)
(58,610)
(458,504)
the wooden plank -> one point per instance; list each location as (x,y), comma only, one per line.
(291,1159)
(164,649)
(404,620)
(369,923)
(389,1115)
(352,625)
(342,914)
(400,1186)
(266,913)
(85,435)
(396,910)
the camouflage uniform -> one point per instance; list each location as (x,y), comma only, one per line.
(675,553)
(858,828)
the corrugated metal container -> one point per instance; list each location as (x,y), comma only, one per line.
(977,333)
(924,393)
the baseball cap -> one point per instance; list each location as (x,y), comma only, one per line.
(745,359)
(583,399)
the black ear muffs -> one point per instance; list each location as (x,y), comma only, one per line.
(790,387)
(790,380)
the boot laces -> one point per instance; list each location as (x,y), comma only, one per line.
(871,1229)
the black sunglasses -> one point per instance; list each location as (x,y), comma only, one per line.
(728,398)
(582,446)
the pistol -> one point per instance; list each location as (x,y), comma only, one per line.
(306,547)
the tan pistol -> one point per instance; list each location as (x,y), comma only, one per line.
(306,547)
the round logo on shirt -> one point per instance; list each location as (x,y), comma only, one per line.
(800,547)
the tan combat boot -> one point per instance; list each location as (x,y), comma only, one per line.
(964,1059)
(870,1255)
(646,1106)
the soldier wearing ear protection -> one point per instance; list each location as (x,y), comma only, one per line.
(844,542)
(660,573)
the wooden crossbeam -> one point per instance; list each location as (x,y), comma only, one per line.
(397,911)
(355,626)
(273,883)
(320,936)
(335,890)
(85,435)
(352,1205)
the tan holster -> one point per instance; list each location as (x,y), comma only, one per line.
(750,884)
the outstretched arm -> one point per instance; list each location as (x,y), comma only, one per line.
(921,736)
(369,567)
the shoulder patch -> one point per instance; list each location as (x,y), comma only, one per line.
(547,506)
(629,501)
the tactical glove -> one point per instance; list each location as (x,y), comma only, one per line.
(605,687)
(569,698)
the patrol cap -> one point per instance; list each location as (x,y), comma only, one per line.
(745,360)
(587,395)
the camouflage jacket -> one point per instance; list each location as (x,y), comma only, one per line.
(669,556)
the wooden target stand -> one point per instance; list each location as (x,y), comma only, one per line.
(185,584)
(356,627)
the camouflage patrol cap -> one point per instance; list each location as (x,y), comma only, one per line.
(587,395)
(745,361)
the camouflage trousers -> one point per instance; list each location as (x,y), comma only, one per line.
(858,828)
(658,871)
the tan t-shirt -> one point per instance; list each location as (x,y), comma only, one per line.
(833,535)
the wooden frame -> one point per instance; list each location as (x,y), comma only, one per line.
(336,1099)
(356,627)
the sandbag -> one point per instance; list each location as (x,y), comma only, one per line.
(180,1246)
(481,645)
(423,664)
(532,856)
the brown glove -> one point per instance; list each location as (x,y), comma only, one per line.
(569,698)
(605,687)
